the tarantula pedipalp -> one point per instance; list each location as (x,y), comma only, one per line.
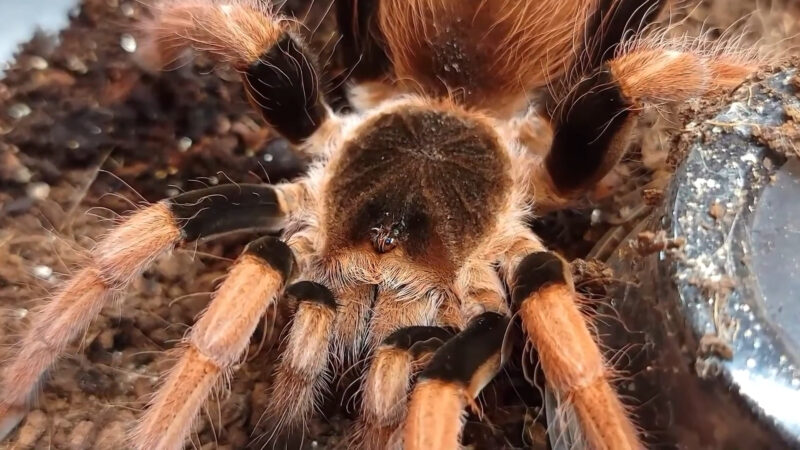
(409,230)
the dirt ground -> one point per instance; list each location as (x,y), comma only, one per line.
(86,135)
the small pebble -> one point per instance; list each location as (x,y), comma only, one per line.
(184,143)
(19,110)
(38,191)
(128,43)
(127,9)
(222,125)
(106,339)
(43,272)
(37,63)
(11,168)
(33,428)
(76,65)
(596,216)
(717,211)
(81,436)
(111,437)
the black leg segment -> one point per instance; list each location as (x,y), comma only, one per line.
(226,208)
(284,84)
(275,253)
(590,127)
(362,42)
(309,291)
(536,271)
(420,340)
(612,22)
(472,357)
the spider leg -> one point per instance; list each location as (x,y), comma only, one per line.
(391,369)
(457,373)
(592,121)
(279,72)
(622,68)
(541,286)
(388,381)
(217,342)
(301,374)
(611,23)
(592,117)
(361,45)
(590,130)
(118,259)
(394,310)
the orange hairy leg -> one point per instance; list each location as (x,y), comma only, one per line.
(457,373)
(593,118)
(117,260)
(620,69)
(279,73)
(302,372)
(568,353)
(217,341)
(388,381)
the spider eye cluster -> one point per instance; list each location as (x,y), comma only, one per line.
(385,238)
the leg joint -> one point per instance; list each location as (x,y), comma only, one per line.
(418,340)
(536,271)
(463,357)
(225,208)
(308,291)
(284,84)
(274,253)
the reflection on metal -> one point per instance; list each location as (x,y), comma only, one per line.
(720,291)
(710,332)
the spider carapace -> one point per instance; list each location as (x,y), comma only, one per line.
(407,238)
(425,180)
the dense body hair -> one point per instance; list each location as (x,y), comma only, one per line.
(487,54)
(236,31)
(433,174)
(409,232)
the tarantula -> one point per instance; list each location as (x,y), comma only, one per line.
(407,238)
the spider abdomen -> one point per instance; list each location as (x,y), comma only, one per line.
(428,180)
(486,54)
